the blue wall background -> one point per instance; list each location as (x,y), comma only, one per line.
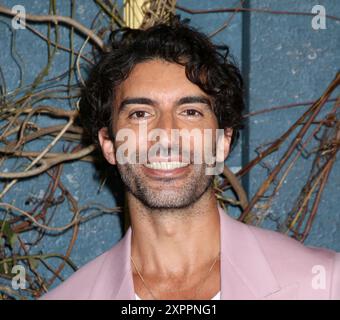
(284,61)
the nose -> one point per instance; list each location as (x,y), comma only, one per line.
(166,119)
(163,130)
(166,122)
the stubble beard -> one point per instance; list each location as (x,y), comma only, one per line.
(163,198)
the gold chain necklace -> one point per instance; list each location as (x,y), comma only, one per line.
(197,290)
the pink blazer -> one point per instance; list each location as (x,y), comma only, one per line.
(255,264)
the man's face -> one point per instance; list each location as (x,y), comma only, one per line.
(158,95)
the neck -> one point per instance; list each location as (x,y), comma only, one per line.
(175,242)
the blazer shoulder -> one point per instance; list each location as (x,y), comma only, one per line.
(79,285)
(335,292)
(273,240)
(293,262)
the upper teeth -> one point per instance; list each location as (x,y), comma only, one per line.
(166,165)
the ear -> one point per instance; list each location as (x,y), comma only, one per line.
(228,132)
(107,145)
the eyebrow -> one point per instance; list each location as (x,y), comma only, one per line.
(194,99)
(147,101)
(136,100)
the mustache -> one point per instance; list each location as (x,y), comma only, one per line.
(143,156)
(167,153)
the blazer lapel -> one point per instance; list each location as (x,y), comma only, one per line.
(289,292)
(245,272)
(115,277)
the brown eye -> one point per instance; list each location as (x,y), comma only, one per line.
(193,113)
(138,114)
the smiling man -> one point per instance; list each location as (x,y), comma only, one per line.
(181,245)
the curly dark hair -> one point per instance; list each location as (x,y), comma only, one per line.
(215,73)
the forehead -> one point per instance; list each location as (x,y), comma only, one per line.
(158,79)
